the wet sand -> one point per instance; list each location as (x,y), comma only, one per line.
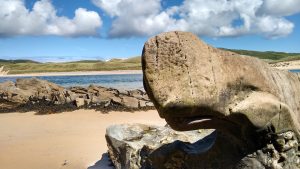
(69,140)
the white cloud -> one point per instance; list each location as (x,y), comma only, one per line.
(16,19)
(136,17)
(281,8)
(215,18)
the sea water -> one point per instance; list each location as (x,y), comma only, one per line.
(295,70)
(121,82)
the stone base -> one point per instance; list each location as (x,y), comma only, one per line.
(138,146)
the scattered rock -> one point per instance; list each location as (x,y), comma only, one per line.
(31,94)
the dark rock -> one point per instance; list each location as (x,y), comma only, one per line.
(79,90)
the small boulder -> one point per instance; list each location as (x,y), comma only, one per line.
(130,102)
(79,102)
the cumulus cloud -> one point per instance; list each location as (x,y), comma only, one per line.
(16,19)
(136,17)
(280,8)
(215,18)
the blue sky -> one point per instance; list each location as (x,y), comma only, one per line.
(63,30)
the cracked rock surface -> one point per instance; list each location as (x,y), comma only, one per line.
(135,146)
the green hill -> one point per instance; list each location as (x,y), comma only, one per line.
(26,66)
(17,61)
(268,55)
(134,63)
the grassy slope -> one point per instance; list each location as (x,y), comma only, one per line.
(27,66)
(87,65)
(269,55)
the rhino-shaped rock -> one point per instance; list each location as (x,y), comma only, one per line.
(251,105)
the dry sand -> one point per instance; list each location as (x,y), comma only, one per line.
(289,65)
(113,72)
(29,141)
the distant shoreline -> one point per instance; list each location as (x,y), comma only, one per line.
(287,65)
(113,72)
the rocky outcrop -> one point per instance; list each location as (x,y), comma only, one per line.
(135,146)
(44,96)
(2,71)
(253,107)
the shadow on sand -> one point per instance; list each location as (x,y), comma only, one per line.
(103,163)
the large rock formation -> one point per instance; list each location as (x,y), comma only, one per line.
(135,146)
(47,97)
(254,107)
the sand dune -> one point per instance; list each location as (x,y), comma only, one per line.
(70,140)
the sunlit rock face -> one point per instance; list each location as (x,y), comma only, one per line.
(196,86)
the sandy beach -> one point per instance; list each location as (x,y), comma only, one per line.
(114,72)
(289,65)
(69,140)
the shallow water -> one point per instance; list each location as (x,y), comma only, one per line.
(121,82)
(295,71)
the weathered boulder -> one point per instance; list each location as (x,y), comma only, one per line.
(41,90)
(131,102)
(39,85)
(194,85)
(5,86)
(138,146)
(9,92)
(25,90)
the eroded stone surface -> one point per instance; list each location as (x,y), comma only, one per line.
(135,146)
(194,85)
